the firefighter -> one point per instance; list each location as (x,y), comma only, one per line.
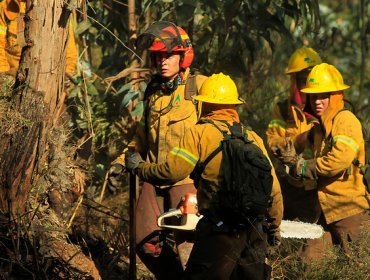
(339,152)
(169,112)
(220,251)
(12,39)
(287,136)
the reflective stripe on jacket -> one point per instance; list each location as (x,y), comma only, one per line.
(197,144)
(164,129)
(341,190)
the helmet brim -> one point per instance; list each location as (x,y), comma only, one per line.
(218,101)
(323,90)
(296,70)
(157,47)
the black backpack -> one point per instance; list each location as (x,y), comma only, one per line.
(245,194)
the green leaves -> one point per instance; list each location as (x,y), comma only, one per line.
(247,39)
(129,97)
(82,26)
(138,110)
(185,11)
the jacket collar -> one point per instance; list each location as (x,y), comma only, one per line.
(229,115)
(296,99)
(336,103)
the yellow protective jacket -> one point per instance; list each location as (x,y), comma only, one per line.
(197,144)
(288,120)
(337,143)
(165,120)
(11,36)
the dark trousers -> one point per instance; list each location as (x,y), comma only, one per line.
(339,233)
(223,254)
(299,204)
(152,248)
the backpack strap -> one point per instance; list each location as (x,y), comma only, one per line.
(200,166)
(236,130)
(219,148)
(151,88)
(224,133)
(190,87)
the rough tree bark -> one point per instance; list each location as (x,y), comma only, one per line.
(40,80)
(133,178)
(26,156)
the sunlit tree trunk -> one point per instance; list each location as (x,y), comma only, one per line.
(27,152)
(38,88)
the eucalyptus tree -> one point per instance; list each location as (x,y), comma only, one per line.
(32,168)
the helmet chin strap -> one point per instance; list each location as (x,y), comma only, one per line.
(170,86)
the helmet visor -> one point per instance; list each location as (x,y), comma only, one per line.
(160,36)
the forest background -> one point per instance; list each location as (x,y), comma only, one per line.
(71,223)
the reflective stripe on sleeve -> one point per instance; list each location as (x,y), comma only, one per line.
(185,155)
(277,123)
(3,30)
(347,141)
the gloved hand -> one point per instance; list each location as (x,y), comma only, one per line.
(132,160)
(114,172)
(286,154)
(309,169)
(305,169)
(291,177)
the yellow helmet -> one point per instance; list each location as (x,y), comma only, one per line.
(324,78)
(219,89)
(301,59)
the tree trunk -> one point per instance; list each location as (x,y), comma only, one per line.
(39,86)
(30,175)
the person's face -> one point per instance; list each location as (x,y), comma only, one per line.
(168,64)
(319,103)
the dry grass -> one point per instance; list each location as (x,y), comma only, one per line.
(335,266)
(10,120)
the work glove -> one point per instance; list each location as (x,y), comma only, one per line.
(305,169)
(287,153)
(291,178)
(113,174)
(132,161)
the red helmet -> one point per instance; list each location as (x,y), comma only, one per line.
(166,36)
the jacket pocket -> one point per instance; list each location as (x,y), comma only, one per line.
(183,112)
